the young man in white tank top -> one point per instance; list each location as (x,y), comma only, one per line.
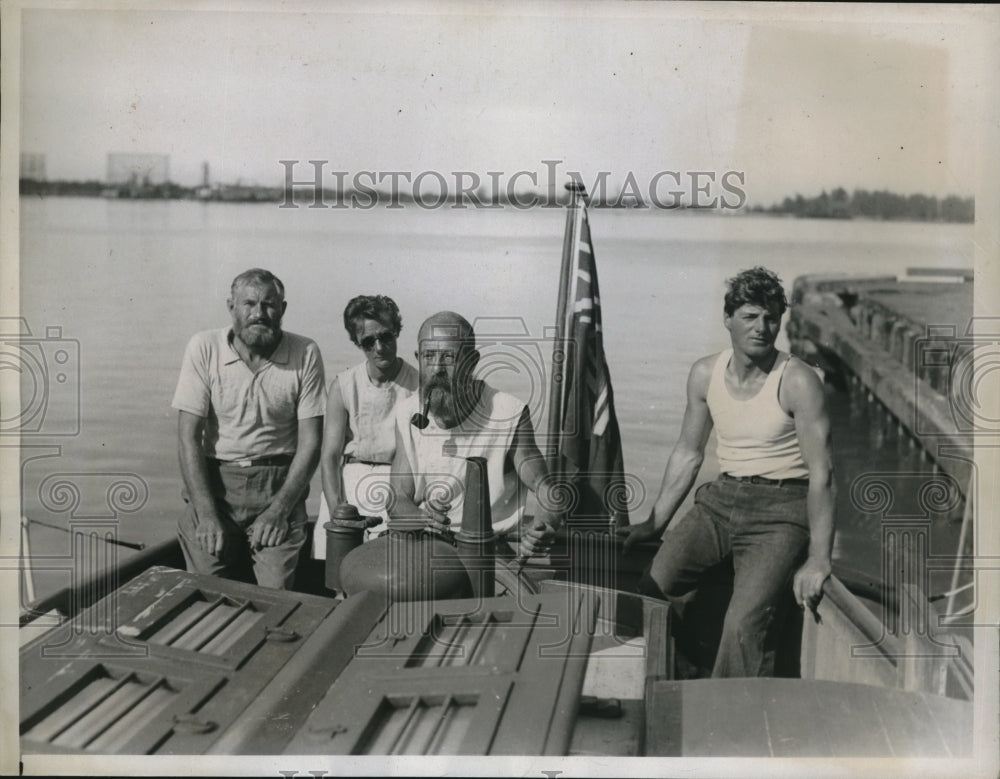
(771,509)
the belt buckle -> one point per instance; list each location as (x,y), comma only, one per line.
(245,463)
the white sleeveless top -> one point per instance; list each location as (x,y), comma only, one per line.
(756,437)
(487,432)
(371,436)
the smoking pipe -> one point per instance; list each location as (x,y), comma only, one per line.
(419,420)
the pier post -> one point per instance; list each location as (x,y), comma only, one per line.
(907,349)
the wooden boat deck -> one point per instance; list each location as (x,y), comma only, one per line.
(619,696)
(802,718)
(610,687)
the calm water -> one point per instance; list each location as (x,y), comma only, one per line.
(128,282)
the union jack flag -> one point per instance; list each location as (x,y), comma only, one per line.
(590,438)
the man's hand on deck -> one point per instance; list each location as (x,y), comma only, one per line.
(209,535)
(633,534)
(808,582)
(269,529)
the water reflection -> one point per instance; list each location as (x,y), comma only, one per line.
(886,482)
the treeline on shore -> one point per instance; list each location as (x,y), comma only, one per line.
(838,204)
(880,204)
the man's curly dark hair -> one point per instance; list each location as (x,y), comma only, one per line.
(378,307)
(757,286)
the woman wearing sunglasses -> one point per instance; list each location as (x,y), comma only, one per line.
(359,435)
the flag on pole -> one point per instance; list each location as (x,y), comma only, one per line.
(588,436)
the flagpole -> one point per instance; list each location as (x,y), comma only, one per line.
(558,376)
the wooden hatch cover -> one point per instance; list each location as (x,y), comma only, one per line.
(170,663)
(496,676)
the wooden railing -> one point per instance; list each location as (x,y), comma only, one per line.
(70,600)
(846,642)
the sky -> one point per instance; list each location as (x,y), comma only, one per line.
(793,98)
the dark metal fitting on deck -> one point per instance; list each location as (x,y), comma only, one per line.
(322,730)
(192,723)
(281,635)
(605,708)
(345,531)
(475,539)
(477,517)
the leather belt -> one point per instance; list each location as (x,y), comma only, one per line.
(770,482)
(253,462)
(350,458)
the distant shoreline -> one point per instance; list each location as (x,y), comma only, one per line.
(861,204)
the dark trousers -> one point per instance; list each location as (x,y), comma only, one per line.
(241,495)
(764,528)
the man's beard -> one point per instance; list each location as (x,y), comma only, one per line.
(440,398)
(260,337)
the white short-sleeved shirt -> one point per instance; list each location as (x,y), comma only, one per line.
(248,413)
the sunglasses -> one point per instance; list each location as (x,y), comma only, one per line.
(386,339)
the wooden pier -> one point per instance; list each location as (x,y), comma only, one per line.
(907,344)
(906,347)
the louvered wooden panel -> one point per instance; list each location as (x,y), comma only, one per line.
(493,676)
(420,725)
(98,707)
(408,717)
(210,620)
(208,626)
(103,710)
(106,708)
(493,638)
(188,656)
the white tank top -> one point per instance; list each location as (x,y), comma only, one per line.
(371,436)
(756,437)
(437,456)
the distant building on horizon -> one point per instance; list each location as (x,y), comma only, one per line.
(138,170)
(33,166)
